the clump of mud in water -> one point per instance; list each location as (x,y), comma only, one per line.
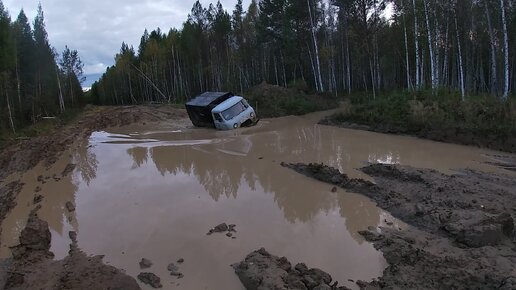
(32,266)
(461,233)
(223,228)
(150,279)
(261,270)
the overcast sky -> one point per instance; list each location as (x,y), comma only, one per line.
(98,28)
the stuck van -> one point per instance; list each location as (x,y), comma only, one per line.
(234,113)
(221,110)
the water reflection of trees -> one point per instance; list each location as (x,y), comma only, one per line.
(65,190)
(86,162)
(223,174)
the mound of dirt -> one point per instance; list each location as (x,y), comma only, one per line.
(32,266)
(261,270)
(461,233)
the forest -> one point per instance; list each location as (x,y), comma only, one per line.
(340,47)
(36,82)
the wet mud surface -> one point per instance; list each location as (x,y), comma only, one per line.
(461,233)
(261,270)
(157,198)
(32,266)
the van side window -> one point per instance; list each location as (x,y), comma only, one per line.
(218,117)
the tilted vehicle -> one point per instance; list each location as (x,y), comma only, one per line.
(221,110)
(234,113)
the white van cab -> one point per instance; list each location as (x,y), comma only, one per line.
(233,113)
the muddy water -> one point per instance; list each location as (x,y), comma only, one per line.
(155,192)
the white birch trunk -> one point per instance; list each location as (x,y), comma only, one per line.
(407,67)
(430,47)
(10,112)
(313,67)
(459,53)
(61,100)
(316,49)
(416,40)
(493,78)
(506,52)
(348,62)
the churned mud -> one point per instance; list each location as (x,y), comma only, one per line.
(32,266)
(461,233)
(261,270)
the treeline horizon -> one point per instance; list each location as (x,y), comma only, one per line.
(35,81)
(338,47)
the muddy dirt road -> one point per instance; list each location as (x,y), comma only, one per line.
(152,188)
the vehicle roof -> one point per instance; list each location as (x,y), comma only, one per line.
(227,104)
(208,98)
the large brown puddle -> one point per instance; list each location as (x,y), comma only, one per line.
(155,194)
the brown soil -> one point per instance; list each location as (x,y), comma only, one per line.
(261,270)
(32,266)
(461,227)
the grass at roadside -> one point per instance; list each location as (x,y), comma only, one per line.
(480,120)
(275,101)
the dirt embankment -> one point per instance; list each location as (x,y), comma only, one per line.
(461,227)
(32,266)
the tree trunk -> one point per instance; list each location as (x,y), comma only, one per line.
(313,68)
(316,49)
(430,47)
(348,62)
(506,52)
(416,40)
(493,79)
(18,82)
(459,53)
(61,100)
(407,67)
(10,112)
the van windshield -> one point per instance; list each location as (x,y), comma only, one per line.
(233,111)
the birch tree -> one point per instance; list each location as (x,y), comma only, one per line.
(506,51)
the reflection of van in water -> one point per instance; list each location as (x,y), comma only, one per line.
(233,113)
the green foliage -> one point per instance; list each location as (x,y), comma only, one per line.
(276,101)
(416,113)
(29,75)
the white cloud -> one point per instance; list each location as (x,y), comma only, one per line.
(98,28)
(95,68)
